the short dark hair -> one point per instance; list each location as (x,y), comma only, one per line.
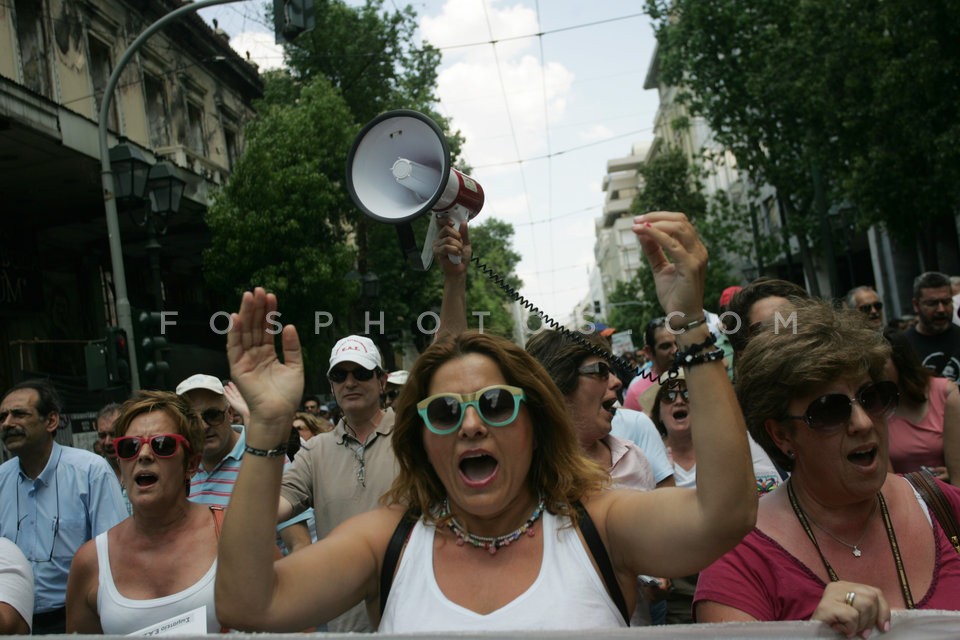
(561,356)
(743,301)
(650,331)
(929,280)
(49,399)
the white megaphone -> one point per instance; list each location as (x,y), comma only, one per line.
(399,169)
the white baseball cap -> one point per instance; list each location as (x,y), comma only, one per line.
(200,381)
(357,349)
(398,378)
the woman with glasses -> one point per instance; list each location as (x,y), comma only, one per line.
(159,564)
(843,541)
(925,428)
(669,406)
(496,488)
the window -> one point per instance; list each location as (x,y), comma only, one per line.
(100,69)
(31,36)
(158,117)
(195,138)
(230,137)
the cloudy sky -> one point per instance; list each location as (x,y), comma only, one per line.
(541,114)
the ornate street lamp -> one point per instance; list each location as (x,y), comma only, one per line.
(130,169)
(164,188)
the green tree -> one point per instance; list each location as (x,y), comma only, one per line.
(829,102)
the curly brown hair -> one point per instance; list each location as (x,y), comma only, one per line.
(559,471)
(778,365)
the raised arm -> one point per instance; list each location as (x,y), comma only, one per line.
(691,527)
(452,241)
(253,592)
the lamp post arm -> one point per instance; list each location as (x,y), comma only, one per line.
(124,315)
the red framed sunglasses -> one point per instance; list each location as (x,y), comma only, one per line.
(164,445)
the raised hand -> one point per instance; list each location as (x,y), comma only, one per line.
(677,259)
(271,388)
(452,240)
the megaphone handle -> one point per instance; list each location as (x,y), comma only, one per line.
(459,215)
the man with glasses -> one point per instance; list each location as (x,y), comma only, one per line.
(344,472)
(55,498)
(865,300)
(223,450)
(935,337)
(395,382)
(312,405)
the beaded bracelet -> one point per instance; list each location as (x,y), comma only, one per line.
(267,453)
(692,356)
(691,360)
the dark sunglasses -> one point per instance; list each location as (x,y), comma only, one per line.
(832,411)
(359,374)
(164,445)
(393,393)
(598,369)
(213,417)
(873,306)
(670,396)
(497,405)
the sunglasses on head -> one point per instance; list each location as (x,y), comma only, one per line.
(670,396)
(213,417)
(873,306)
(832,412)
(164,445)
(598,369)
(359,374)
(497,405)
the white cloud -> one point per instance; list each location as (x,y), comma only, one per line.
(596,132)
(261,49)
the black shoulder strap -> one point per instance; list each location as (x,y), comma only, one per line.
(392,555)
(926,485)
(599,553)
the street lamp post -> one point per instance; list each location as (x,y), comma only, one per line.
(124,316)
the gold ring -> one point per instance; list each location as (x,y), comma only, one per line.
(851,596)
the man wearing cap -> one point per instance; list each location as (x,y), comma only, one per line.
(344,472)
(224,446)
(395,382)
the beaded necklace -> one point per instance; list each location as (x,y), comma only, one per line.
(491,543)
(891,538)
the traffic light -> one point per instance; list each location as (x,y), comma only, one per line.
(118,356)
(291,18)
(153,326)
(596,307)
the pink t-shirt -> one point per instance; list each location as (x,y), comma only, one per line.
(913,445)
(760,578)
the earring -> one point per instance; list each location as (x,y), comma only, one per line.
(790,454)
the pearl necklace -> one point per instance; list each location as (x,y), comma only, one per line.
(491,543)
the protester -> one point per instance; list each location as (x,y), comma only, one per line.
(55,497)
(395,382)
(865,300)
(105,418)
(159,563)
(491,451)
(925,429)
(934,336)
(308,425)
(843,541)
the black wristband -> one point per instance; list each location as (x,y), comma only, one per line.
(691,360)
(267,453)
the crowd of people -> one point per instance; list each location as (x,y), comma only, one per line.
(779,461)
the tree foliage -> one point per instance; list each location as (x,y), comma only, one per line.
(831,102)
(285,221)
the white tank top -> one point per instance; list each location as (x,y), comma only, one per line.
(567,594)
(120,615)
